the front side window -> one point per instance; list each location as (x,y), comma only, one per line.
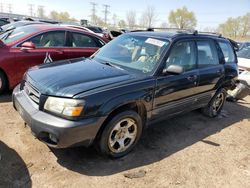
(140,54)
(227,52)
(81,40)
(207,54)
(183,54)
(49,39)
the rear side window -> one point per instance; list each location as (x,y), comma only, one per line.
(50,39)
(227,52)
(207,54)
(81,40)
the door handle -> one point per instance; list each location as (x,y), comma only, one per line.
(192,78)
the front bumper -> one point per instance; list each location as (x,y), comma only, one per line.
(55,131)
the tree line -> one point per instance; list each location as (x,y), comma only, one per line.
(180,18)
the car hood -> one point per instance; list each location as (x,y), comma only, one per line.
(71,77)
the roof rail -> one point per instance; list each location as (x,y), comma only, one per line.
(190,31)
(210,33)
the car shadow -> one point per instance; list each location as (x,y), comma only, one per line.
(13,170)
(159,141)
(6,97)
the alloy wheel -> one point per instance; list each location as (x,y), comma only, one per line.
(218,102)
(123,135)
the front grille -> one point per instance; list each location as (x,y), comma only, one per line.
(32,92)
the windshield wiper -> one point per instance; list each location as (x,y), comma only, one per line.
(111,65)
(7,35)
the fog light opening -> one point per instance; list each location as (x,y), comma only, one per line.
(53,138)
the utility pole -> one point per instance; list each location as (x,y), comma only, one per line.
(106,12)
(10,8)
(1,7)
(40,11)
(31,9)
(93,12)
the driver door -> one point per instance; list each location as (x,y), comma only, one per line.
(48,46)
(174,92)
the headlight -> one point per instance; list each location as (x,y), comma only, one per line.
(67,107)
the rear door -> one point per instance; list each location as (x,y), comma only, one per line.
(82,45)
(174,93)
(50,46)
(211,70)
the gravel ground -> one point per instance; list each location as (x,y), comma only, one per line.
(186,151)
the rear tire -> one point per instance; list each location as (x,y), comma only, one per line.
(3,83)
(121,134)
(215,105)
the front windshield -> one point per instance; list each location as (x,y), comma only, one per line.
(17,33)
(244,52)
(140,54)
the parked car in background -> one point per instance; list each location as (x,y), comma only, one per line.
(99,31)
(14,25)
(243,45)
(135,80)
(104,35)
(3,21)
(243,86)
(31,45)
(244,59)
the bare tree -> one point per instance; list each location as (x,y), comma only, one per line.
(231,27)
(149,17)
(115,20)
(41,11)
(131,19)
(245,24)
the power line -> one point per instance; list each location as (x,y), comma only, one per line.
(1,7)
(10,8)
(40,11)
(106,12)
(93,12)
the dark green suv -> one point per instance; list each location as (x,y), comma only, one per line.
(135,80)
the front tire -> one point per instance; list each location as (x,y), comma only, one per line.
(215,105)
(121,134)
(3,83)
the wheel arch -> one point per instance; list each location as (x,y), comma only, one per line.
(6,77)
(136,106)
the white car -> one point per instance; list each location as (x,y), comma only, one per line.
(243,87)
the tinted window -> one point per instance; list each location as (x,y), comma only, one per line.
(227,52)
(183,54)
(50,39)
(2,22)
(207,54)
(81,40)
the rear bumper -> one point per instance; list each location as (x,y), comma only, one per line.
(55,131)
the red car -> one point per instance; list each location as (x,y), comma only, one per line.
(32,45)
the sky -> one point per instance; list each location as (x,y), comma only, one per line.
(209,13)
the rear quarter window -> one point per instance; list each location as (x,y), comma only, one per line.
(227,51)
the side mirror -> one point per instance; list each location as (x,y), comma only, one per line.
(173,69)
(28,46)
